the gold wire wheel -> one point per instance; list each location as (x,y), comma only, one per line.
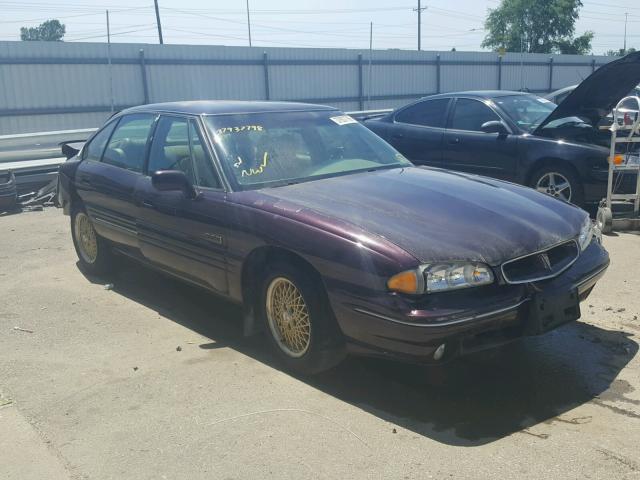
(288,317)
(86,238)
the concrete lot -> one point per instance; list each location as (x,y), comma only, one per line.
(100,390)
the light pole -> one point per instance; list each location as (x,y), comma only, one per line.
(626,16)
(109,62)
(248,23)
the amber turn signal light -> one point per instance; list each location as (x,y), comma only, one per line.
(617,159)
(404,282)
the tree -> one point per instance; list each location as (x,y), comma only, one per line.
(578,46)
(536,26)
(49,31)
(620,53)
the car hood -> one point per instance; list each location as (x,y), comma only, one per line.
(599,93)
(433,214)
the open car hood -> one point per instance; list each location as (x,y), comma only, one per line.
(599,93)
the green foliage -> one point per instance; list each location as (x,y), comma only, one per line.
(536,26)
(49,31)
(620,52)
(578,46)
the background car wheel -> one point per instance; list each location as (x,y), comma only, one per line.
(559,182)
(93,251)
(298,321)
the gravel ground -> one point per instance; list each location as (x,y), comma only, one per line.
(152,379)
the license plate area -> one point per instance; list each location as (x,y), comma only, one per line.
(552,309)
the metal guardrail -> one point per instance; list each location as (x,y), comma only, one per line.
(34,158)
(37,145)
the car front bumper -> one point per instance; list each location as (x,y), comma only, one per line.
(468,320)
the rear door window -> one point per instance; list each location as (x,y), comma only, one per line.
(471,114)
(430,113)
(128,144)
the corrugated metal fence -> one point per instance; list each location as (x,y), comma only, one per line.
(56,86)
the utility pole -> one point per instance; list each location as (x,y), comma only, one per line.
(109,60)
(419,10)
(158,22)
(626,16)
(248,23)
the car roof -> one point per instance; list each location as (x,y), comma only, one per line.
(218,107)
(479,94)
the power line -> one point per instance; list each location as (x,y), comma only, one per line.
(103,35)
(63,17)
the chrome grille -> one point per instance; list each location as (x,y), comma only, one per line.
(541,265)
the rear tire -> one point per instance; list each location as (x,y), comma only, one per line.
(559,182)
(94,252)
(298,321)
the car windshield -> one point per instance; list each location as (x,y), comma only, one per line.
(527,111)
(279,148)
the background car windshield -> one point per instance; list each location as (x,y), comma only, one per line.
(277,148)
(527,111)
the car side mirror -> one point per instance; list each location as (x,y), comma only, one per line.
(494,126)
(173,181)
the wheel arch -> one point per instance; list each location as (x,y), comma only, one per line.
(68,197)
(549,162)
(252,269)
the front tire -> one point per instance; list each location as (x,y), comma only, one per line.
(559,182)
(94,253)
(298,321)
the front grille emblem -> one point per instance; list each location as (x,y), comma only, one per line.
(542,264)
(544,259)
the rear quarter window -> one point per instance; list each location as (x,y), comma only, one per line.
(94,149)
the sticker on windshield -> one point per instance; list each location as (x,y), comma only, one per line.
(543,100)
(343,120)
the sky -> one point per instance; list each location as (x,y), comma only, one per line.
(287,23)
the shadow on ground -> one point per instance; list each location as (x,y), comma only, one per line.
(472,401)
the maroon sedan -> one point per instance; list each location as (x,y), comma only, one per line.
(331,240)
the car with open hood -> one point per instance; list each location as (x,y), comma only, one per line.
(330,239)
(520,137)
(626,112)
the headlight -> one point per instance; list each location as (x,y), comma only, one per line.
(586,234)
(441,277)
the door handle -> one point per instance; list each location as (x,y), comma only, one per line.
(147,203)
(454,141)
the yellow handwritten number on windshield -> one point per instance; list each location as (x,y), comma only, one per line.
(259,170)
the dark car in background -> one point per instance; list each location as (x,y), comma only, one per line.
(626,113)
(331,240)
(517,136)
